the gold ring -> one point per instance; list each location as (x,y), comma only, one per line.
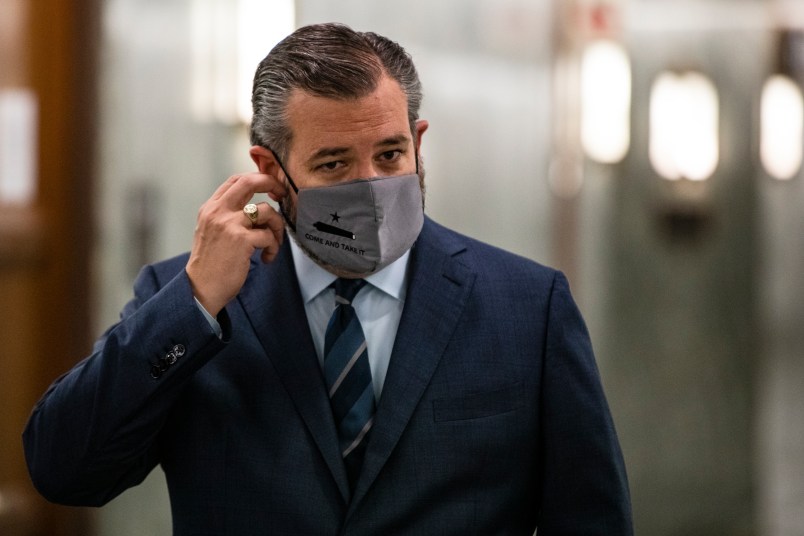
(251,211)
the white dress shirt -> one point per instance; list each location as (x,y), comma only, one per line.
(378,306)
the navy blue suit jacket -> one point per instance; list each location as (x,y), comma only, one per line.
(492,419)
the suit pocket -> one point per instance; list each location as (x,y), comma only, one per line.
(479,405)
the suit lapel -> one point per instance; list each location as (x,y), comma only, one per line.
(437,293)
(272,301)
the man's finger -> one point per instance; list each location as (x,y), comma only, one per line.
(223,188)
(274,220)
(243,187)
(267,218)
(268,241)
(270,229)
(269,254)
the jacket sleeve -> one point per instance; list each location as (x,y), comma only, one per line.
(94,433)
(584,484)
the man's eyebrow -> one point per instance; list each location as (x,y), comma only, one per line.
(327,152)
(394,140)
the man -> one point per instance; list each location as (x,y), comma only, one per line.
(375,373)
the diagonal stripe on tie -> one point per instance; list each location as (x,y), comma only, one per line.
(348,377)
(347,368)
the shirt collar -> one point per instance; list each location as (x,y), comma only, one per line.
(313,279)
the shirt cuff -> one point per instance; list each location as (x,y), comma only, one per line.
(213,323)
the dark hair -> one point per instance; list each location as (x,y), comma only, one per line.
(326,60)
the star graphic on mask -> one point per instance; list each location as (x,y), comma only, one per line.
(335,216)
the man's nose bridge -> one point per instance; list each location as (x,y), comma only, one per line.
(367,169)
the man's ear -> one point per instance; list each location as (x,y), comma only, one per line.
(265,160)
(421,127)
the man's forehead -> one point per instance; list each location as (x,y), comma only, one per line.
(333,124)
(387,92)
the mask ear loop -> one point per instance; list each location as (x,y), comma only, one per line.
(292,185)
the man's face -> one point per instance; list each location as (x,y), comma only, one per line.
(341,140)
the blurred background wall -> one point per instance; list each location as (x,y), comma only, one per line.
(625,142)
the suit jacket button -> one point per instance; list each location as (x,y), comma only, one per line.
(170,358)
(178,350)
(156,372)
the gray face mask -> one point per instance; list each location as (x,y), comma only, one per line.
(360,226)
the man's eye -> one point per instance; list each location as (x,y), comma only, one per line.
(390,155)
(330,166)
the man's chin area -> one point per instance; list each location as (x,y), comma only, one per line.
(335,270)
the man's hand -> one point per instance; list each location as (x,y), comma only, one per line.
(224,238)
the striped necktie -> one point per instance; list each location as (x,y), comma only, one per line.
(348,377)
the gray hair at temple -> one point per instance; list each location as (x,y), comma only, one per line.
(326,60)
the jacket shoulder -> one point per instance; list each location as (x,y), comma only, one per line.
(484,258)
